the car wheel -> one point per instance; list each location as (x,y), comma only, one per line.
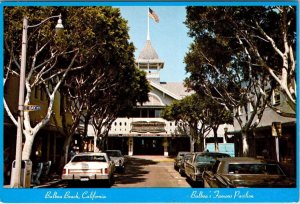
(181,172)
(108,182)
(71,183)
(205,184)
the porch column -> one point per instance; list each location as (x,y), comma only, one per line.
(130,146)
(166,144)
(96,149)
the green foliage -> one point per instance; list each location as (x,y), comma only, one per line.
(230,50)
(101,36)
(197,108)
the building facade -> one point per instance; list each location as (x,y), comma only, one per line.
(48,142)
(280,146)
(145,131)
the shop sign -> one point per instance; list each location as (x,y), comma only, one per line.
(151,127)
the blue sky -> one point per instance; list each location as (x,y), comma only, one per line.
(168,37)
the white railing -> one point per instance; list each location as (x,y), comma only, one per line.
(124,125)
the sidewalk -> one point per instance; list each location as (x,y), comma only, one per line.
(43,184)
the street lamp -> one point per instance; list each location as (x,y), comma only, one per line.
(16,173)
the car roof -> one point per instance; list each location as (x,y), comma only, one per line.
(90,153)
(242,160)
(183,152)
(211,153)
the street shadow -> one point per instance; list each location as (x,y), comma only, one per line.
(89,184)
(134,171)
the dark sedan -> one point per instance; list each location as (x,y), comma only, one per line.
(200,162)
(238,172)
(178,160)
(181,168)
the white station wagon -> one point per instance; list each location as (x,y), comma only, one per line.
(89,167)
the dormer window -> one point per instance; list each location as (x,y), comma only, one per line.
(276,97)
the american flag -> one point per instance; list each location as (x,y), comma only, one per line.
(153,15)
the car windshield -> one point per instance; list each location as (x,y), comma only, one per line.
(209,158)
(114,153)
(89,158)
(204,159)
(181,154)
(187,157)
(272,169)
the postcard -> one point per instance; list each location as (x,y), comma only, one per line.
(149,102)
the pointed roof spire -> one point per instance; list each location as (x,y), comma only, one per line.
(148,52)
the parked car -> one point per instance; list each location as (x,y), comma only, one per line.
(117,157)
(178,160)
(88,167)
(200,162)
(181,168)
(239,172)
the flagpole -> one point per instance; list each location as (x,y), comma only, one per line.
(148,35)
(148,27)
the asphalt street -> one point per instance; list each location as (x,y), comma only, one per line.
(150,171)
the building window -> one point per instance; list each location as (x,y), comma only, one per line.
(157,113)
(115,123)
(151,113)
(120,124)
(136,113)
(241,110)
(276,97)
(144,113)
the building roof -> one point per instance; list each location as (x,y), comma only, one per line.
(148,52)
(148,58)
(176,87)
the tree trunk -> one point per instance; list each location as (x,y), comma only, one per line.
(28,145)
(215,130)
(65,152)
(201,145)
(244,144)
(192,144)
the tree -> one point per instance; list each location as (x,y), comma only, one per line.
(233,59)
(92,60)
(133,88)
(49,60)
(196,116)
(112,82)
(264,36)
(215,116)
